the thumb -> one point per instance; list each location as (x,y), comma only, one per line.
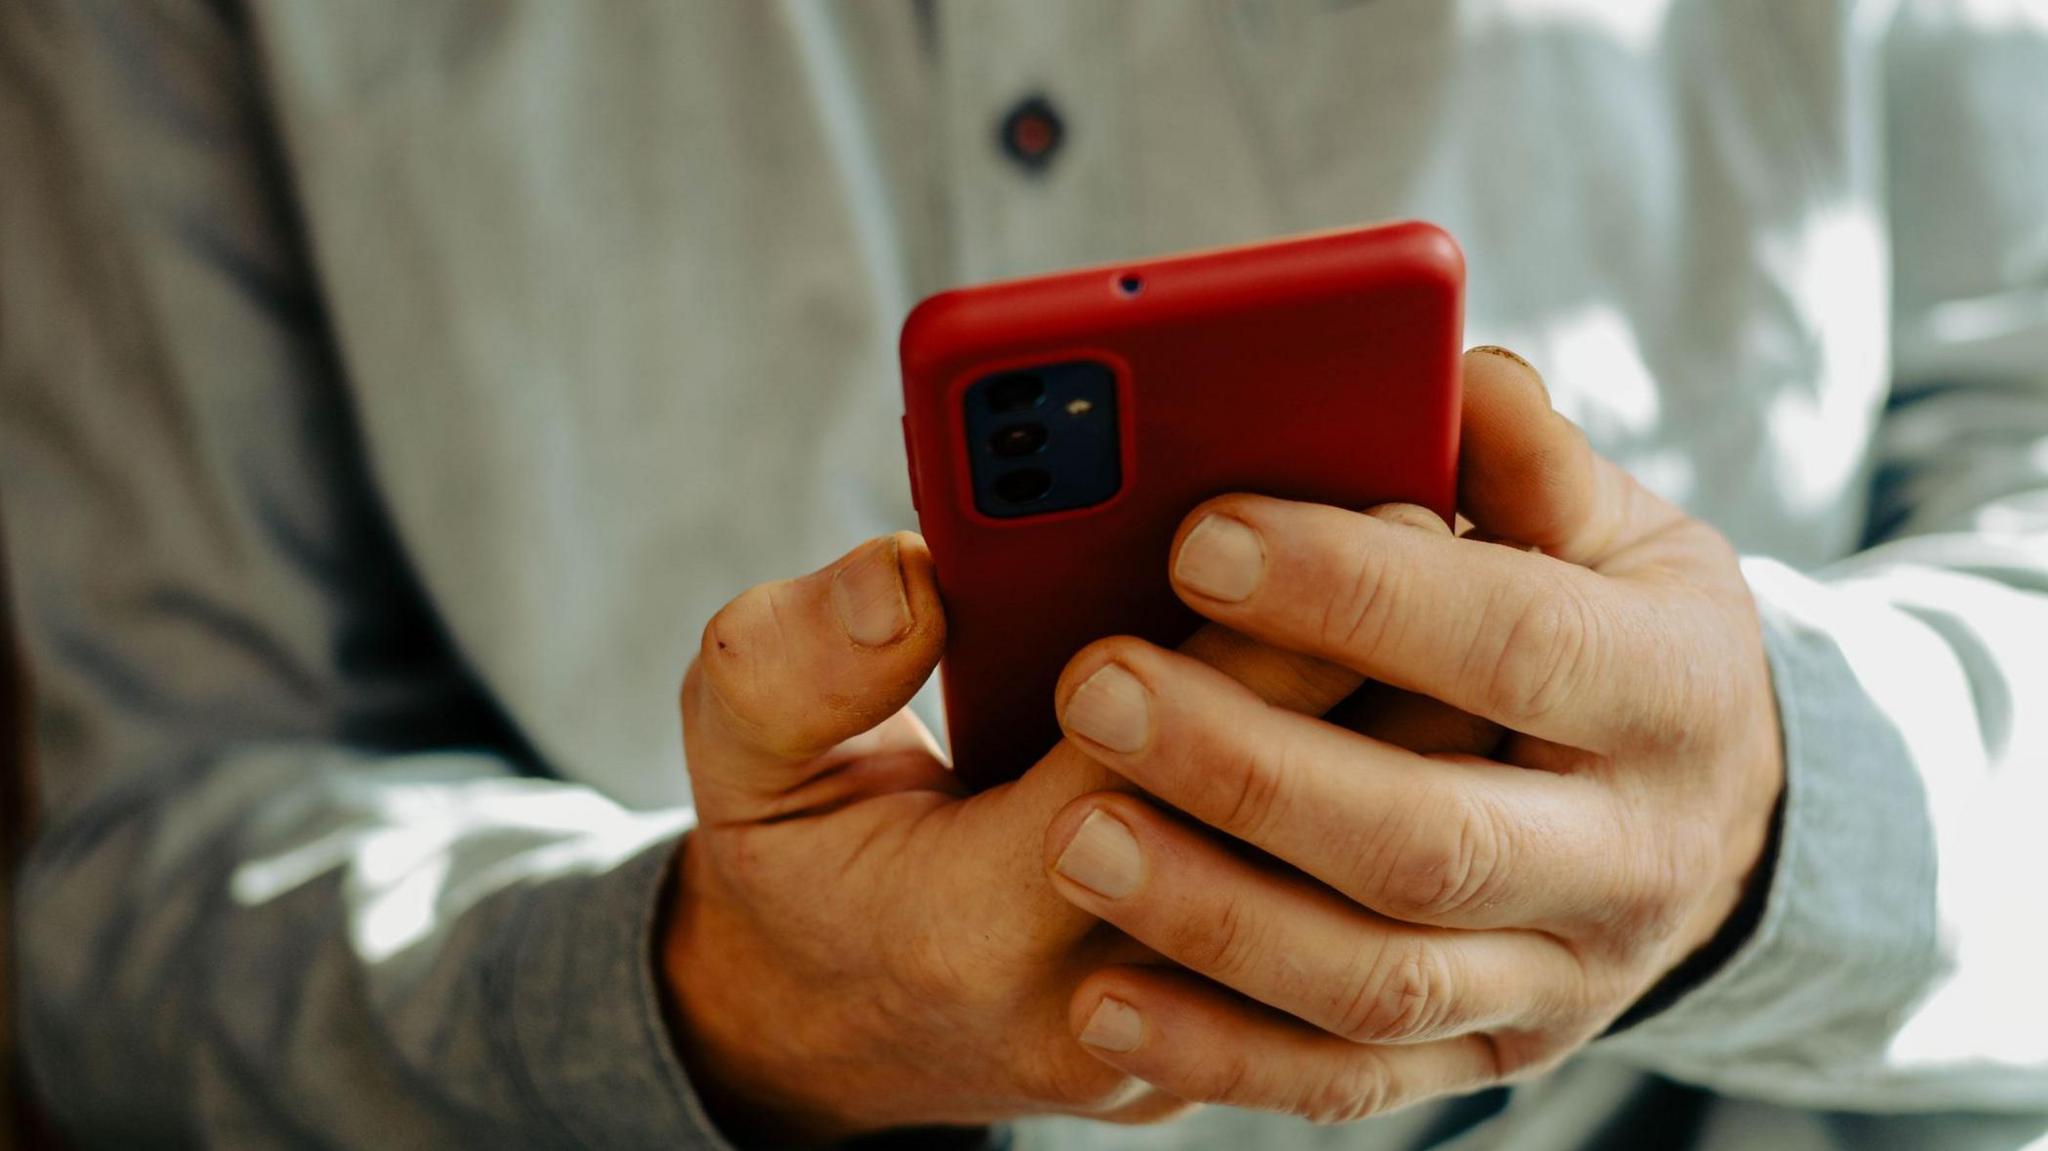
(1527,475)
(790,670)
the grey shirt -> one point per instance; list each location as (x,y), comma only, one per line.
(389,391)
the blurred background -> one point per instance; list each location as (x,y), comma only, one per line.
(1656,243)
(16,802)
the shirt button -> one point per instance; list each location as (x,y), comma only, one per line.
(1031,132)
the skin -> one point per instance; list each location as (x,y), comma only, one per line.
(854,944)
(1425,923)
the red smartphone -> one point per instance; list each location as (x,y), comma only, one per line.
(1059,428)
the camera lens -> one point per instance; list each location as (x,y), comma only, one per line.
(1024,485)
(1017,440)
(1015,393)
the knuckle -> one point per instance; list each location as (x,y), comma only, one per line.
(775,683)
(1656,905)
(1359,1091)
(1545,642)
(742,647)
(1399,993)
(1248,783)
(1450,865)
(1356,621)
(1665,889)
(1223,946)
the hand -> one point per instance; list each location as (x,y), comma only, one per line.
(1423,923)
(855,944)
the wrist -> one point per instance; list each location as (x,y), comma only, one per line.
(718,989)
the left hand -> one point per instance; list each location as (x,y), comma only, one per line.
(1427,923)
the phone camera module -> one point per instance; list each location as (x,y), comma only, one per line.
(1024,486)
(1015,440)
(1043,438)
(1015,393)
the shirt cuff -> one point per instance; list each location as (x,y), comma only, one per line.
(583,1014)
(1847,937)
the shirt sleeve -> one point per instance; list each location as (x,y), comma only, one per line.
(1898,961)
(298,883)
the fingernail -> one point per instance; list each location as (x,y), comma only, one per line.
(1102,857)
(1512,357)
(1409,516)
(1115,1026)
(1110,707)
(1222,559)
(868,595)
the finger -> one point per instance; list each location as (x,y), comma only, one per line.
(1422,725)
(1291,679)
(1528,474)
(1009,820)
(789,670)
(1294,945)
(1195,1041)
(1449,841)
(1522,639)
(897,755)
(1283,678)
(1403,718)
(1286,679)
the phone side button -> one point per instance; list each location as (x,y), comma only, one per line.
(910,460)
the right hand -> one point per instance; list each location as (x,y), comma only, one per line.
(855,942)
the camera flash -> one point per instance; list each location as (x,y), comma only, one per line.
(1079,407)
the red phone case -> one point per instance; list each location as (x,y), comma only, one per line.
(1321,368)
